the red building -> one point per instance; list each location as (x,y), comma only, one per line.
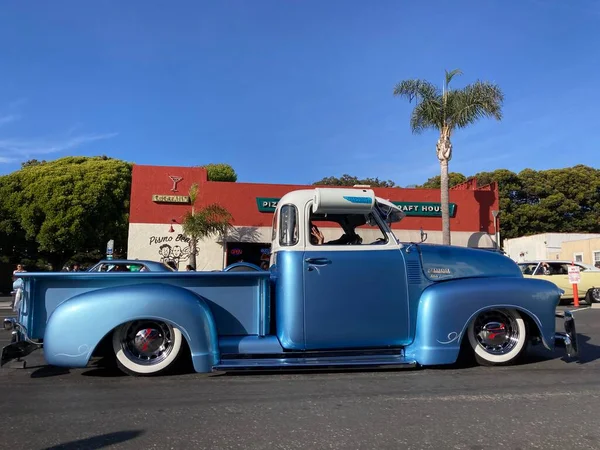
(159,200)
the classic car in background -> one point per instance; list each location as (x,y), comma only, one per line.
(128,265)
(558,273)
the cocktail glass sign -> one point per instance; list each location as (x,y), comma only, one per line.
(158,198)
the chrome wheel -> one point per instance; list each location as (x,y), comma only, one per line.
(497,336)
(594,295)
(146,347)
(496,331)
(147,342)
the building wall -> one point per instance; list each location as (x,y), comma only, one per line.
(152,217)
(541,246)
(587,249)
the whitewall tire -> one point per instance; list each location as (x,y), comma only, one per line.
(498,337)
(146,347)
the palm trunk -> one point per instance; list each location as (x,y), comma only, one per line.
(193,252)
(444,154)
(445,202)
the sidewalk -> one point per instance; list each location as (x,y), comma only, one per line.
(5,302)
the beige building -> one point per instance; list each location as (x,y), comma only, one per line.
(585,250)
(543,246)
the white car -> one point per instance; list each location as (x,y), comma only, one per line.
(557,272)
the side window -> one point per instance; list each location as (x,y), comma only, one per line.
(275,226)
(288,222)
(527,269)
(552,269)
(345,229)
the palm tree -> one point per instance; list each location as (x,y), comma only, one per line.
(446,111)
(212,219)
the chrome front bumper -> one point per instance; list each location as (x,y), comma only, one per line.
(20,345)
(568,338)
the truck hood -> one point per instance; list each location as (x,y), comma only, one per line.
(446,263)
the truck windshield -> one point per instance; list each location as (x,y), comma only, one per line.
(389,212)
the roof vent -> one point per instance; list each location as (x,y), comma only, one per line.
(361,186)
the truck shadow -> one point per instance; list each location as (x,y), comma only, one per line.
(314,370)
(49,371)
(105,367)
(588,353)
(100,441)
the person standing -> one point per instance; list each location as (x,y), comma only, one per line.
(18,270)
(17,285)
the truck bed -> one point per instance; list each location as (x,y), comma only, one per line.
(239,301)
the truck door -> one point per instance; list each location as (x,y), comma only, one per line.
(355,287)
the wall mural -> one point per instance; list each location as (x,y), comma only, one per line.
(172,249)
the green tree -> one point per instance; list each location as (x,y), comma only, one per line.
(220,172)
(32,162)
(349,180)
(454,178)
(447,110)
(210,220)
(565,200)
(549,201)
(64,207)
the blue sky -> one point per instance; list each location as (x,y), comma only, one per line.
(293,91)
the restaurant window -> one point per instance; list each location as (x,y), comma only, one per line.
(597,259)
(251,252)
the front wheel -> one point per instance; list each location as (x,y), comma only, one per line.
(498,337)
(146,347)
(593,295)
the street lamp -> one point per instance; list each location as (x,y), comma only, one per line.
(495,213)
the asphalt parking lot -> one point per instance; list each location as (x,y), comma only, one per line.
(547,402)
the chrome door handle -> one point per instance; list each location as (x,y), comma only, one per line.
(318,261)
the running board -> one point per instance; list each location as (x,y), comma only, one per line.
(312,362)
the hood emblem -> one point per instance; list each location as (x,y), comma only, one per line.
(439,270)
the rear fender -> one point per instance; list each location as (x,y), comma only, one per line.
(78,325)
(446,309)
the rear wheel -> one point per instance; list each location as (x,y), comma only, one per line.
(498,337)
(146,347)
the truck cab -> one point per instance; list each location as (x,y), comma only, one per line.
(341,278)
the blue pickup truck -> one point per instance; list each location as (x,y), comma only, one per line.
(341,290)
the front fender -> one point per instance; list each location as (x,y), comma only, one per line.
(446,309)
(78,325)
